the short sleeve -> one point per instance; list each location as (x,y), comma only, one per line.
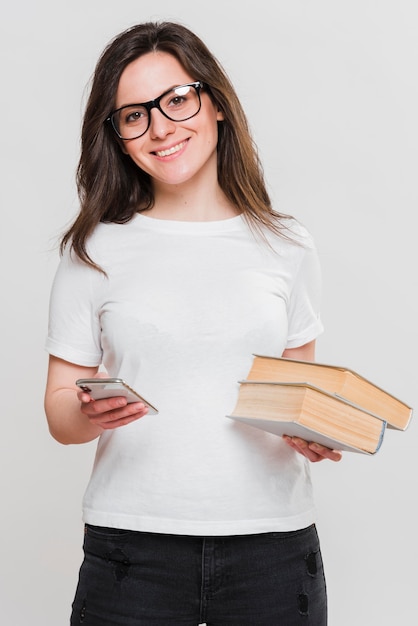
(304,322)
(74,324)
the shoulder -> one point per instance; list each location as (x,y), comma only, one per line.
(297,233)
(106,233)
(291,239)
(107,243)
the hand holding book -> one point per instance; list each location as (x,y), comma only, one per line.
(314,452)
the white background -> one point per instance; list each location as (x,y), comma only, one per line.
(330,89)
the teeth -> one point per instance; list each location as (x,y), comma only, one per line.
(172,150)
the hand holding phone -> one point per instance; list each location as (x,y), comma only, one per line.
(99,388)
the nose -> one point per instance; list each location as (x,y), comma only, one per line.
(160,125)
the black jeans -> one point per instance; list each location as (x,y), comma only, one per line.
(143,579)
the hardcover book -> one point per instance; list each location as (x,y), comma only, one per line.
(341,381)
(306,411)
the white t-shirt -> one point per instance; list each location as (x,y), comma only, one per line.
(183,308)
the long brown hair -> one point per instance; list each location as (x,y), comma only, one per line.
(111,187)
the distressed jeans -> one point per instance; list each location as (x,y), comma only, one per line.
(144,579)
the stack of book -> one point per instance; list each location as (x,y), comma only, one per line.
(330,405)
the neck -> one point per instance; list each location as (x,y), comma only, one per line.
(192,203)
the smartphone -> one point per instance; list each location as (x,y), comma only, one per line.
(99,388)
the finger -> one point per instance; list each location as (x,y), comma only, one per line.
(97,408)
(84,397)
(302,446)
(122,421)
(327,453)
(107,405)
(115,417)
(312,451)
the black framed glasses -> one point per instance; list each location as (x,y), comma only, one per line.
(177,104)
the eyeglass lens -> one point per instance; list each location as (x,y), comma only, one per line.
(179,104)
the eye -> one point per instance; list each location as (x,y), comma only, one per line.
(134,115)
(177,100)
(179,96)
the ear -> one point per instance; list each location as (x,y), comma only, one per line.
(220,116)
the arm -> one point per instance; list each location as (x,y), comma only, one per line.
(313,451)
(73,417)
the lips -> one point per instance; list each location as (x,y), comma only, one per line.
(172,150)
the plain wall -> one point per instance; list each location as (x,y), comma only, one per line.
(330,91)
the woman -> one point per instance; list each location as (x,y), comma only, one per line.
(175,272)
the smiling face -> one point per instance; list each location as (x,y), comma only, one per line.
(172,153)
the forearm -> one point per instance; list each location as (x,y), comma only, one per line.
(303,353)
(67,424)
